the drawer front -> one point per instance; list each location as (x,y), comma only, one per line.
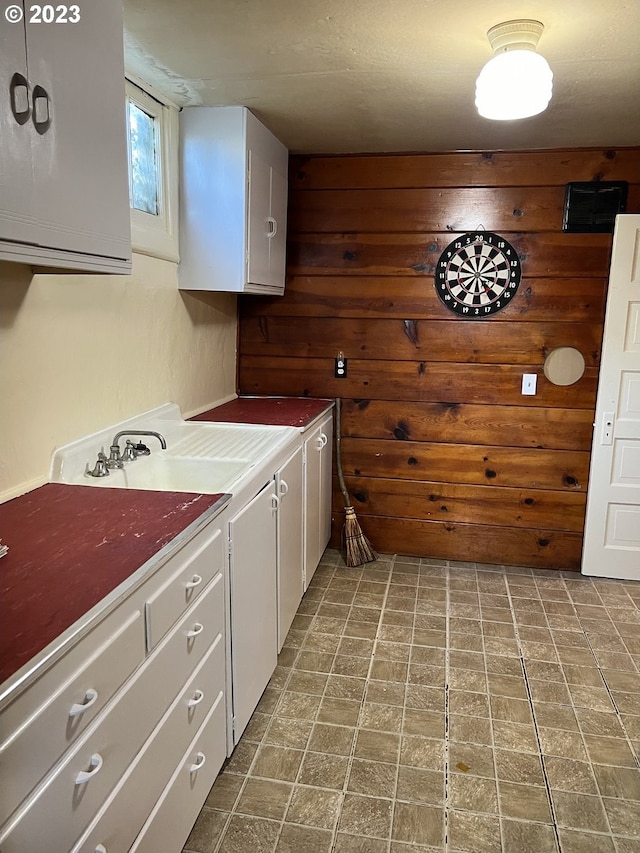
(175,812)
(65,805)
(120,822)
(183,587)
(48,731)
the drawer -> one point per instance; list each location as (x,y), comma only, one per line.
(184,586)
(36,731)
(174,814)
(128,808)
(64,805)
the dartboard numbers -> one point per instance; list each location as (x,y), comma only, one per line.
(477,275)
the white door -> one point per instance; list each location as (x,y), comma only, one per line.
(612,526)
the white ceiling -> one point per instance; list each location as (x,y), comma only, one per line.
(343,76)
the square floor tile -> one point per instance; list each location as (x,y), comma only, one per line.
(524,802)
(474,833)
(579,811)
(418,824)
(264,798)
(526,837)
(370,816)
(473,793)
(313,807)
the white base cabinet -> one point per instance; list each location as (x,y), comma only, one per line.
(114,734)
(233,202)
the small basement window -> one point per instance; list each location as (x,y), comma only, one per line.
(152,128)
(144,174)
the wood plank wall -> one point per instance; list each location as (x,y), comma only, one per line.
(443,456)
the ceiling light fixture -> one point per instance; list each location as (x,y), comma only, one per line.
(516,82)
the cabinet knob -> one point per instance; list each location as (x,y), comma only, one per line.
(284,487)
(20,113)
(196,580)
(90,698)
(199,763)
(198,628)
(272,227)
(41,110)
(196,699)
(86,775)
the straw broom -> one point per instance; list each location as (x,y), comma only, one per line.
(357,547)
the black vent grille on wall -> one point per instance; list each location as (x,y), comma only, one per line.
(592,206)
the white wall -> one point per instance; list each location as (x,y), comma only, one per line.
(81,352)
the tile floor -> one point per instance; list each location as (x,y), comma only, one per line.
(434,706)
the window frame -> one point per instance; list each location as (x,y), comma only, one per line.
(151,234)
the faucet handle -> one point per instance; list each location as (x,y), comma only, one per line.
(141,449)
(115,460)
(100,469)
(130,453)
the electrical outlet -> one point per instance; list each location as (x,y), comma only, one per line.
(529,383)
(341,368)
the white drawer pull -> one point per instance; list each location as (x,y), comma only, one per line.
(284,487)
(90,698)
(198,628)
(198,696)
(198,763)
(325,440)
(196,580)
(100,848)
(86,775)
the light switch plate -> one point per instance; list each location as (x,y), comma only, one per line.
(529,383)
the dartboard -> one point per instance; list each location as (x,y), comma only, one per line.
(478,275)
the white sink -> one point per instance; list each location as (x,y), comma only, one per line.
(208,458)
(164,473)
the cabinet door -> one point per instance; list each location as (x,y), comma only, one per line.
(278,236)
(17,219)
(326,432)
(318,449)
(258,222)
(79,149)
(290,554)
(253,603)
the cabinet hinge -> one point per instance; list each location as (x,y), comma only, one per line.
(233,726)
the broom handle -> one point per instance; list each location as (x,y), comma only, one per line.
(343,487)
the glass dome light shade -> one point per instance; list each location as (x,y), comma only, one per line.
(514,84)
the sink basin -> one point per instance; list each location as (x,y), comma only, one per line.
(207,458)
(166,473)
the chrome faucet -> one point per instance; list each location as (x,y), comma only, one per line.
(132,451)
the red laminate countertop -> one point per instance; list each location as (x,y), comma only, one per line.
(271,411)
(69,547)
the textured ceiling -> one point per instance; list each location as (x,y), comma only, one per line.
(342,76)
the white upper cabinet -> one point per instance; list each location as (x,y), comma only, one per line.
(63,161)
(233,202)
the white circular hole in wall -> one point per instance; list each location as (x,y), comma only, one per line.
(564,366)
